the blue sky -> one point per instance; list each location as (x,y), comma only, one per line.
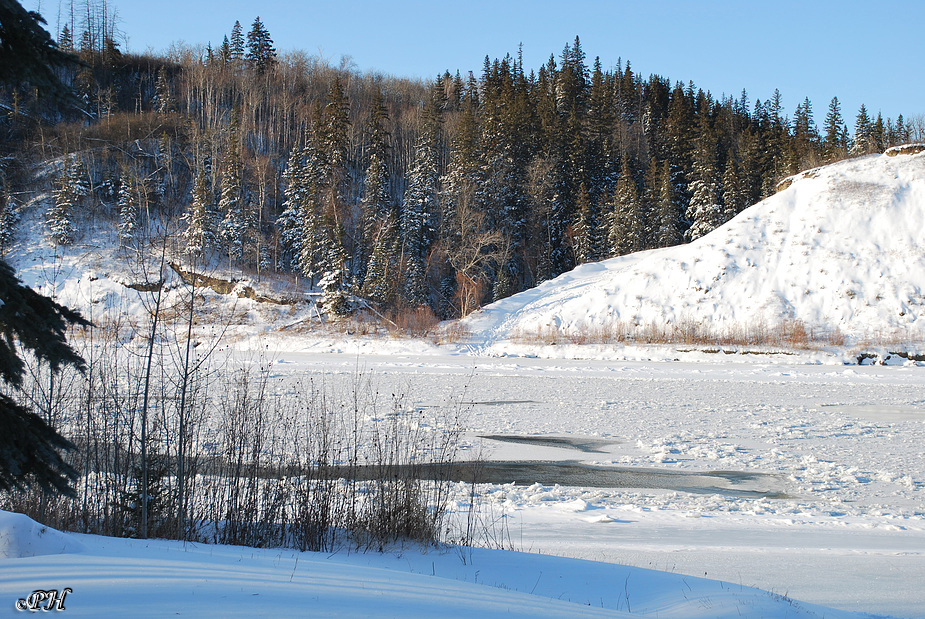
(860,51)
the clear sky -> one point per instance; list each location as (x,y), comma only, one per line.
(861,51)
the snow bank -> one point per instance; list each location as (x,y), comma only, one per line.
(20,536)
(156,578)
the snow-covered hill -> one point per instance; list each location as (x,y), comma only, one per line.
(841,249)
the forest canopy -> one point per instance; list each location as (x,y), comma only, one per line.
(397,193)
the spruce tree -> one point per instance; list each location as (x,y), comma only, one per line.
(734,200)
(8,216)
(648,205)
(164,102)
(289,222)
(382,273)
(236,43)
(419,208)
(314,181)
(776,134)
(669,217)
(224,51)
(260,50)
(128,209)
(30,448)
(624,223)
(863,134)
(60,217)
(835,143)
(901,132)
(335,278)
(233,230)
(585,229)
(805,138)
(66,40)
(878,134)
(704,211)
(199,236)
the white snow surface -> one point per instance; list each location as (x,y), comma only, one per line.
(803,489)
(154,578)
(842,247)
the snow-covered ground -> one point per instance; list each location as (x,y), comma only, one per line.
(102,577)
(798,473)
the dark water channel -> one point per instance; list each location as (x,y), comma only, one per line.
(570,473)
(573,473)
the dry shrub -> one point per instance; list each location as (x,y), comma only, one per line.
(793,333)
(417,322)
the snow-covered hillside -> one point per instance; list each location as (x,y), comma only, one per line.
(842,248)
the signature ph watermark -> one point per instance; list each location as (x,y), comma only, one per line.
(43,600)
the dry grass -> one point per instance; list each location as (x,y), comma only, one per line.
(792,334)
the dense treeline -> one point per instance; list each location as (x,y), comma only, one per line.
(405,194)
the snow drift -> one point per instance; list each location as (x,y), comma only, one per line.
(840,249)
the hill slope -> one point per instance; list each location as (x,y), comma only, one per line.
(841,248)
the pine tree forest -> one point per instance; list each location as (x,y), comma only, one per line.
(396,194)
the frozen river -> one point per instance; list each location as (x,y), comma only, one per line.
(827,460)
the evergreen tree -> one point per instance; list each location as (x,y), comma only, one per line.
(312,216)
(234,227)
(236,43)
(734,198)
(66,40)
(600,130)
(60,217)
(30,448)
(289,222)
(648,205)
(624,223)
(417,219)
(835,144)
(224,51)
(8,216)
(128,209)
(376,203)
(260,50)
(585,229)
(863,134)
(704,212)
(669,217)
(199,236)
(335,279)
(878,134)
(776,139)
(901,132)
(679,136)
(380,283)
(337,212)
(805,137)
(164,103)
